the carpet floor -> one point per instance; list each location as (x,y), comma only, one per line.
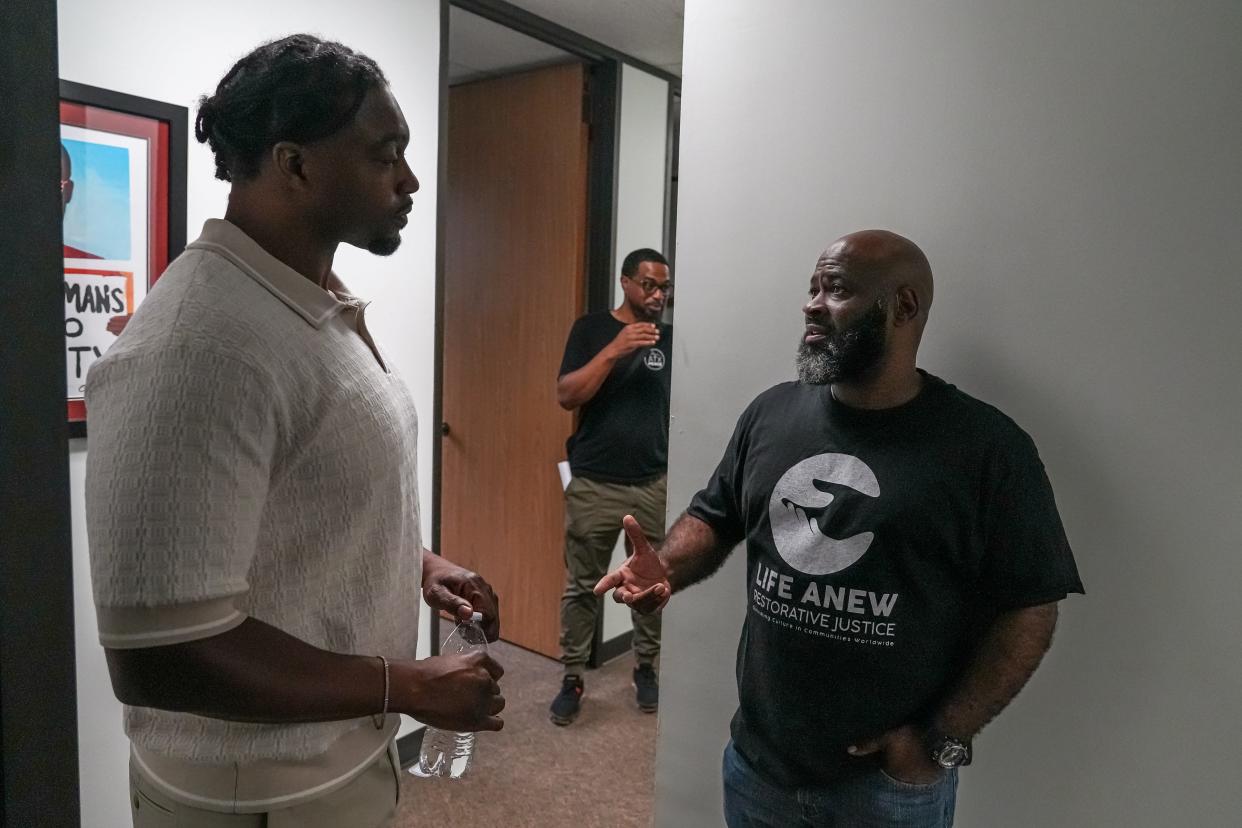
(596,773)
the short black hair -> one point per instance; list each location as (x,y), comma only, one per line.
(299,88)
(643,254)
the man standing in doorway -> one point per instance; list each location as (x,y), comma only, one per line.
(904,554)
(252,487)
(616,369)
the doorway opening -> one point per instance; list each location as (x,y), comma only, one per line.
(539,199)
(558,156)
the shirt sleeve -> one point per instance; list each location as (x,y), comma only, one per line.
(719,503)
(1027,557)
(181,452)
(578,350)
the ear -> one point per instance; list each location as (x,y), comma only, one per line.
(289,161)
(68,191)
(906,306)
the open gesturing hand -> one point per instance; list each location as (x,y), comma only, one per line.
(642,581)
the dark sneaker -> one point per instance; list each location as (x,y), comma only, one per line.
(646,688)
(568,702)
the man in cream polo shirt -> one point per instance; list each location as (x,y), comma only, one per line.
(252,499)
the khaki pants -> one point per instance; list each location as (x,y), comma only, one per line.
(368,801)
(593,513)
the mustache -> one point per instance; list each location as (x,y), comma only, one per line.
(831,338)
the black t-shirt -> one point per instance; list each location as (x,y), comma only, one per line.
(622,434)
(880,545)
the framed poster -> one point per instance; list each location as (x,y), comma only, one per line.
(123,199)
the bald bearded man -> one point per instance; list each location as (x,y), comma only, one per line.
(905,558)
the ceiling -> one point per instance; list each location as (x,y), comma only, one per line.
(649,30)
(479,48)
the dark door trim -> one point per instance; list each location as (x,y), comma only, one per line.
(38,695)
(441,237)
(604,116)
(584,47)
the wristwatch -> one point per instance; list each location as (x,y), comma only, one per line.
(948,752)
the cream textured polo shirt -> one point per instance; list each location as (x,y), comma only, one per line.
(252,454)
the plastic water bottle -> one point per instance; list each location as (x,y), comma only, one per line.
(449,754)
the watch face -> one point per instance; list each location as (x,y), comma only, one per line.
(950,755)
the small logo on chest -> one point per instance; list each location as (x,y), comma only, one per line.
(654,359)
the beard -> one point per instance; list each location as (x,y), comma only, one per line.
(384,245)
(645,315)
(845,355)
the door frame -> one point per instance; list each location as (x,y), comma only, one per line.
(38,693)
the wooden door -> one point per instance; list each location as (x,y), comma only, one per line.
(513,285)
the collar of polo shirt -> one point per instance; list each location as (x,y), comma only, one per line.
(301,295)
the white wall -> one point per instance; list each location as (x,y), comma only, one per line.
(642,150)
(641,179)
(175,52)
(1073,171)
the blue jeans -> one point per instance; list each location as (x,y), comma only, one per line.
(874,800)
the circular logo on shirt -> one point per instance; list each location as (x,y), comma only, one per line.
(799,508)
(654,359)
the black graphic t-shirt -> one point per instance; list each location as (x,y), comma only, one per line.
(622,434)
(880,545)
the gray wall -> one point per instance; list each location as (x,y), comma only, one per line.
(1074,172)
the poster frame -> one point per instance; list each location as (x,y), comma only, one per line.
(166,218)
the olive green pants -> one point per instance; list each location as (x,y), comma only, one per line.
(593,513)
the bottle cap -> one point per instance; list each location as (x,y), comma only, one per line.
(477,617)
